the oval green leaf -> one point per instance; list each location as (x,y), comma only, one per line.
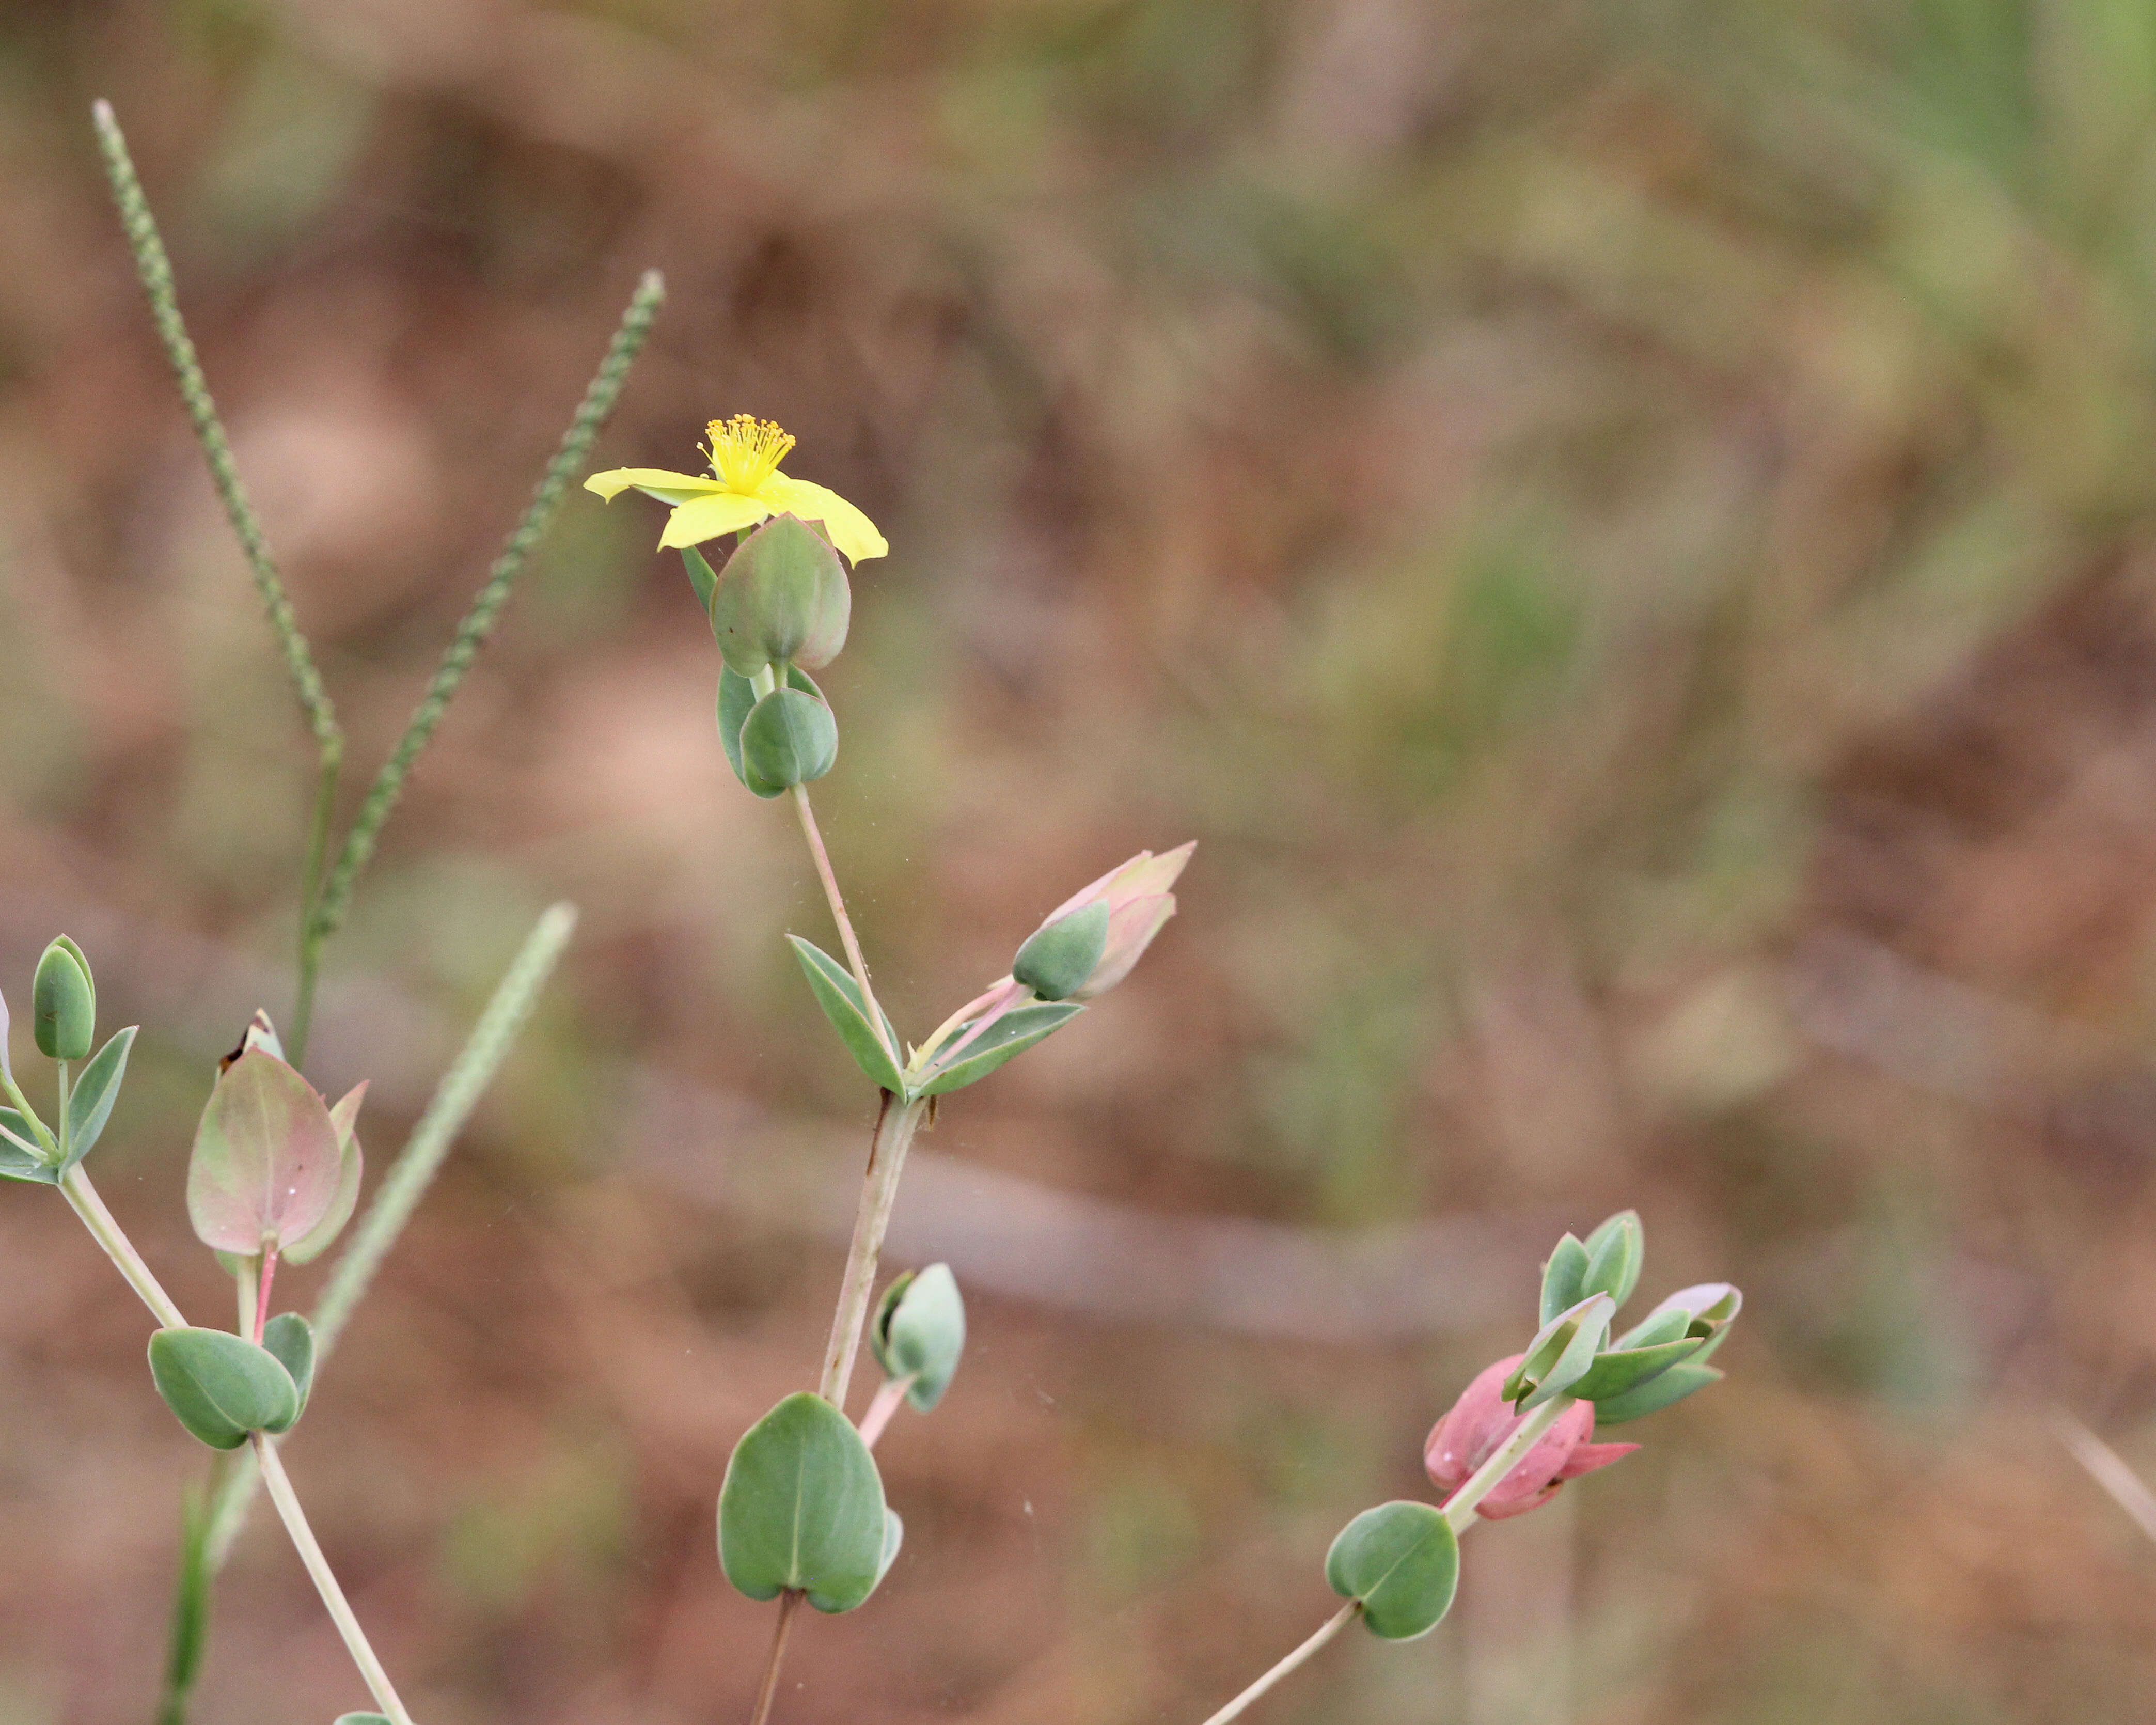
(1006,1039)
(737,698)
(1656,1393)
(835,991)
(221,1387)
(1561,1277)
(89,1104)
(20,1156)
(1056,960)
(1622,1370)
(1616,1251)
(289,1339)
(803,1507)
(1402,1561)
(266,1166)
(894,1537)
(788,738)
(63,1002)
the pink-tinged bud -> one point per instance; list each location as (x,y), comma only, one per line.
(1482,1420)
(1139,902)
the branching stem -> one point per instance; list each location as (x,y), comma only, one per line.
(896,1122)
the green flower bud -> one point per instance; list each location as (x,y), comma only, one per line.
(781,598)
(1056,961)
(788,738)
(63,1002)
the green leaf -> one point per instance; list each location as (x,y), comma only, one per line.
(920,1332)
(1402,1561)
(1656,1393)
(289,1339)
(1616,1252)
(266,1166)
(835,991)
(352,1161)
(361,1719)
(701,577)
(1560,1354)
(803,1507)
(1008,1037)
(894,1537)
(1056,960)
(221,1387)
(1659,1326)
(788,738)
(1621,1370)
(20,1156)
(89,1104)
(736,698)
(1561,1277)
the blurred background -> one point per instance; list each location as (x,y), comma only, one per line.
(1621,527)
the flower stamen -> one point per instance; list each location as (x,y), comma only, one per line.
(746,451)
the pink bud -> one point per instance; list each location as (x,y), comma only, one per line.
(1482,1420)
(1139,905)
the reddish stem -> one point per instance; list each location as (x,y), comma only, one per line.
(261,1292)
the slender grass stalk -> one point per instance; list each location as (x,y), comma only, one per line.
(2109,1469)
(353,857)
(155,268)
(409,1177)
(190,1631)
(326,1583)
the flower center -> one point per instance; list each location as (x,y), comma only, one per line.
(746,451)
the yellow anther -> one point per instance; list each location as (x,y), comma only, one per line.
(746,451)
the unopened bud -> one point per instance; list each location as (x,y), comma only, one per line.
(1616,1251)
(1056,960)
(63,1002)
(781,598)
(788,738)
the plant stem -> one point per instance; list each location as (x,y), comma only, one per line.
(1331,1627)
(789,1602)
(896,1122)
(813,834)
(76,1187)
(1460,1507)
(885,1405)
(326,1583)
(61,1119)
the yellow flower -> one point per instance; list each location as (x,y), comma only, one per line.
(745,487)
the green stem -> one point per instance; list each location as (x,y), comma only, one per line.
(61,1067)
(1331,1627)
(311,936)
(1460,1507)
(82,1196)
(39,1130)
(814,835)
(326,1583)
(896,1122)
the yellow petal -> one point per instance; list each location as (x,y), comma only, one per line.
(706,517)
(853,532)
(653,482)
